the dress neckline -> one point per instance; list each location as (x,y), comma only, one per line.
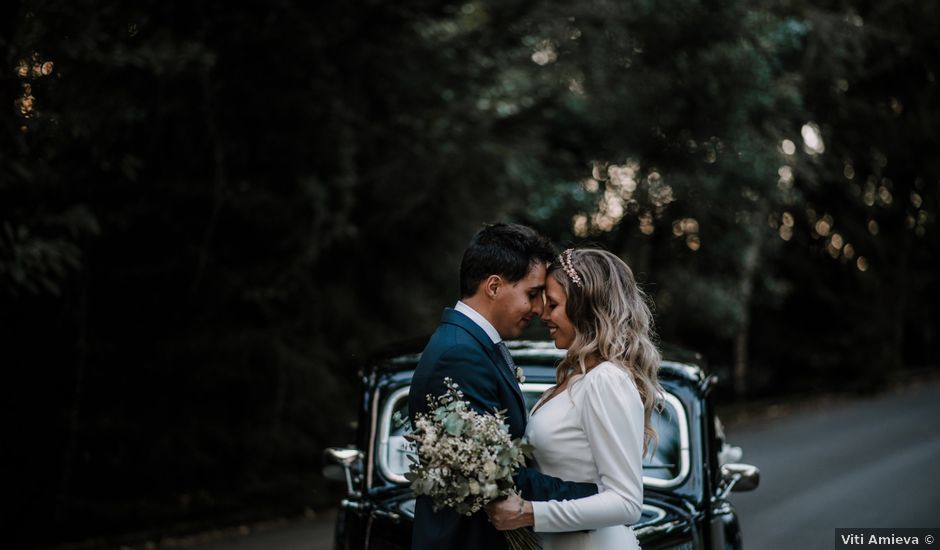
(539,404)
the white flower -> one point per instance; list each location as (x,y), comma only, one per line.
(520,375)
(460,453)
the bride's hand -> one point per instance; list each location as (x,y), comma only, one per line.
(510,513)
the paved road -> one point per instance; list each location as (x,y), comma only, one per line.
(314,532)
(868,463)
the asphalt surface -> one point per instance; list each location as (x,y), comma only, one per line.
(311,534)
(867,463)
(859,463)
(314,532)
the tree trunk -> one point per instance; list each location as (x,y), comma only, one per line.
(752,256)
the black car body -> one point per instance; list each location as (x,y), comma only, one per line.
(685,482)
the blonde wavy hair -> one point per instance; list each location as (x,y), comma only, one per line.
(612,320)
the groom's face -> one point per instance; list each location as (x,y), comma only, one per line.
(518,303)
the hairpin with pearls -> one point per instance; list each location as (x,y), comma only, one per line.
(565,259)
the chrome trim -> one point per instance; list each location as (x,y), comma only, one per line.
(738,478)
(539,387)
(685,458)
(407,507)
(533,347)
(667,527)
(721,507)
(387,411)
(345,457)
(392,516)
(658,514)
(354,505)
(371,456)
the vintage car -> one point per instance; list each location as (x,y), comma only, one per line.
(686,482)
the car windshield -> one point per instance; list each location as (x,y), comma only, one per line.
(666,466)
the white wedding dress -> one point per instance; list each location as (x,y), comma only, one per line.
(591,432)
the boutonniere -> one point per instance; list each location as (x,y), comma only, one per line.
(520,375)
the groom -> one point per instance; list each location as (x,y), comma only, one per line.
(502,276)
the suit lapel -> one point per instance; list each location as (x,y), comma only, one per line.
(509,377)
(454,317)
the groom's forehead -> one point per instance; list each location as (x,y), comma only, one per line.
(535,278)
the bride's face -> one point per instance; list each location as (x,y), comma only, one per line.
(554,315)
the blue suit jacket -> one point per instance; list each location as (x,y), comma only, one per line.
(461,350)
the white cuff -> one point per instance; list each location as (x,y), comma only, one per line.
(538,512)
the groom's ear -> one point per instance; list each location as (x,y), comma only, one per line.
(491,286)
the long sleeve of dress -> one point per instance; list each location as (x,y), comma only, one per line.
(611,413)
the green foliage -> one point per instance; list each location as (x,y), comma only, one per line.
(209,215)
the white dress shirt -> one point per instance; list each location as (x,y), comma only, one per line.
(475,316)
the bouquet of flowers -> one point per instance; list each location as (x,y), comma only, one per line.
(466,459)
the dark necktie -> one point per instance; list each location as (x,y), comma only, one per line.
(504,351)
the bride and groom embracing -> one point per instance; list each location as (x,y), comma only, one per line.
(589,431)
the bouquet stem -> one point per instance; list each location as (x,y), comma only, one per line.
(521,539)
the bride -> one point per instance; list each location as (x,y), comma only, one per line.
(594,425)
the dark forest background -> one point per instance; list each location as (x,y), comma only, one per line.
(210,214)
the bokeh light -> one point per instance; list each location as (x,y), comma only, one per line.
(812,139)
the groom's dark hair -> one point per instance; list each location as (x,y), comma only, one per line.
(504,249)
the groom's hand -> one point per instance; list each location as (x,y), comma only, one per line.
(510,513)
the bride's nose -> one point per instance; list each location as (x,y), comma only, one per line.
(544,314)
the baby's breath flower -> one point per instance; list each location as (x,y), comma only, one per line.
(465,459)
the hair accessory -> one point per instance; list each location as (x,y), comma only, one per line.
(565,259)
